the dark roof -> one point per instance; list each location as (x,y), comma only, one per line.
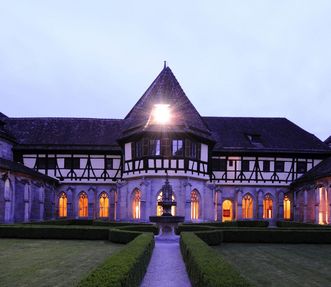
(323,169)
(328,140)
(66,133)
(275,134)
(17,167)
(165,89)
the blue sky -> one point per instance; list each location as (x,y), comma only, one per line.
(232,58)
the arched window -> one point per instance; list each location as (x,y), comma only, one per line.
(267,207)
(63,203)
(227,212)
(83,205)
(194,205)
(103,205)
(136,204)
(287,207)
(159,209)
(247,207)
(323,206)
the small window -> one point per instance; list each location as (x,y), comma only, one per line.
(279,166)
(219,164)
(177,147)
(72,163)
(231,163)
(192,149)
(108,163)
(266,165)
(154,147)
(301,167)
(245,165)
(43,163)
(254,138)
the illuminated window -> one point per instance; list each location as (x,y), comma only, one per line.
(159,209)
(63,203)
(227,210)
(247,207)
(136,204)
(287,208)
(103,205)
(83,205)
(323,206)
(267,207)
(194,205)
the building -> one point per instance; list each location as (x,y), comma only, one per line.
(220,168)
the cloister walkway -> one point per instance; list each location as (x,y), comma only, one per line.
(166,268)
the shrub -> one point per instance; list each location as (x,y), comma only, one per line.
(122,236)
(214,237)
(53,232)
(125,268)
(293,224)
(193,227)
(141,228)
(277,236)
(204,267)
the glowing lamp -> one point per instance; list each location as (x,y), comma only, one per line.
(161,113)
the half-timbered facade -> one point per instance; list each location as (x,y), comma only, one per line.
(220,168)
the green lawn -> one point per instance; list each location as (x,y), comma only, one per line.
(281,264)
(29,262)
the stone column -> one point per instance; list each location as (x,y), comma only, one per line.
(317,204)
(305,204)
(281,206)
(295,207)
(260,204)
(239,204)
(187,188)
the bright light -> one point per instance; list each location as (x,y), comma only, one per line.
(161,113)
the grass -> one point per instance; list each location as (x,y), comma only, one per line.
(280,264)
(27,262)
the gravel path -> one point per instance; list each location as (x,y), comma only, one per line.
(166,268)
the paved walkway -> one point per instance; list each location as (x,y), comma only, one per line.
(166,268)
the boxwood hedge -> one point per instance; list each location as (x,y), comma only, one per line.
(205,267)
(125,268)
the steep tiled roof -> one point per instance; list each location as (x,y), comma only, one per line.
(165,90)
(323,169)
(275,134)
(66,133)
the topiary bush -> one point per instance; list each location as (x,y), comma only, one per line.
(294,224)
(125,268)
(214,237)
(122,236)
(205,267)
(141,228)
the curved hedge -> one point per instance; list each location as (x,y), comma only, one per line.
(294,224)
(125,268)
(205,267)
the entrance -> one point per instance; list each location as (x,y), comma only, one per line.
(227,212)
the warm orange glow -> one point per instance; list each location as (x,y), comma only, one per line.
(83,205)
(247,207)
(63,205)
(161,113)
(136,205)
(323,215)
(287,208)
(194,205)
(115,205)
(227,212)
(159,209)
(104,205)
(267,207)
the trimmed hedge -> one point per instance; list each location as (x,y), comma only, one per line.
(141,228)
(193,227)
(205,267)
(277,236)
(125,268)
(122,236)
(53,232)
(214,237)
(294,224)
(238,223)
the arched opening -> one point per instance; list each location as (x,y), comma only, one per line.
(227,214)
(103,205)
(63,205)
(247,207)
(136,203)
(194,205)
(159,209)
(83,205)
(267,207)
(323,206)
(287,208)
